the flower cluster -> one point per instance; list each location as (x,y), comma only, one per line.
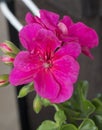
(50,59)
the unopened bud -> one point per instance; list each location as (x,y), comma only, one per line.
(7,59)
(4,80)
(8,48)
(37,104)
(25,90)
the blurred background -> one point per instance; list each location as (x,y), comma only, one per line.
(18,114)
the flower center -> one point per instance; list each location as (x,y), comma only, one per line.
(47,64)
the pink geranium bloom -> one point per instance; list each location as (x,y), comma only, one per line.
(66,30)
(51,67)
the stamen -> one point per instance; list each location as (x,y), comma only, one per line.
(46,65)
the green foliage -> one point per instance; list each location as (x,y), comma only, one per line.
(60,117)
(69,127)
(78,113)
(98,104)
(98,121)
(98,111)
(88,124)
(48,125)
(78,107)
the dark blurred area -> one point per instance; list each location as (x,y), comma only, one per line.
(88,11)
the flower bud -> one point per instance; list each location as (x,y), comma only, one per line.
(8,48)
(25,90)
(4,80)
(37,104)
(7,59)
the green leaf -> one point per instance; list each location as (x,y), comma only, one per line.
(78,104)
(86,108)
(88,124)
(83,88)
(25,90)
(98,121)
(60,117)
(98,104)
(69,127)
(71,114)
(48,125)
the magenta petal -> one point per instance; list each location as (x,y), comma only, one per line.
(72,48)
(67,21)
(27,35)
(29,18)
(25,61)
(47,40)
(66,67)
(50,19)
(18,77)
(45,85)
(87,36)
(65,93)
(66,39)
(87,52)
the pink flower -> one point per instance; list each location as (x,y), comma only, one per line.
(66,30)
(51,67)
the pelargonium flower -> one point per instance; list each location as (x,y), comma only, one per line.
(66,30)
(53,68)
